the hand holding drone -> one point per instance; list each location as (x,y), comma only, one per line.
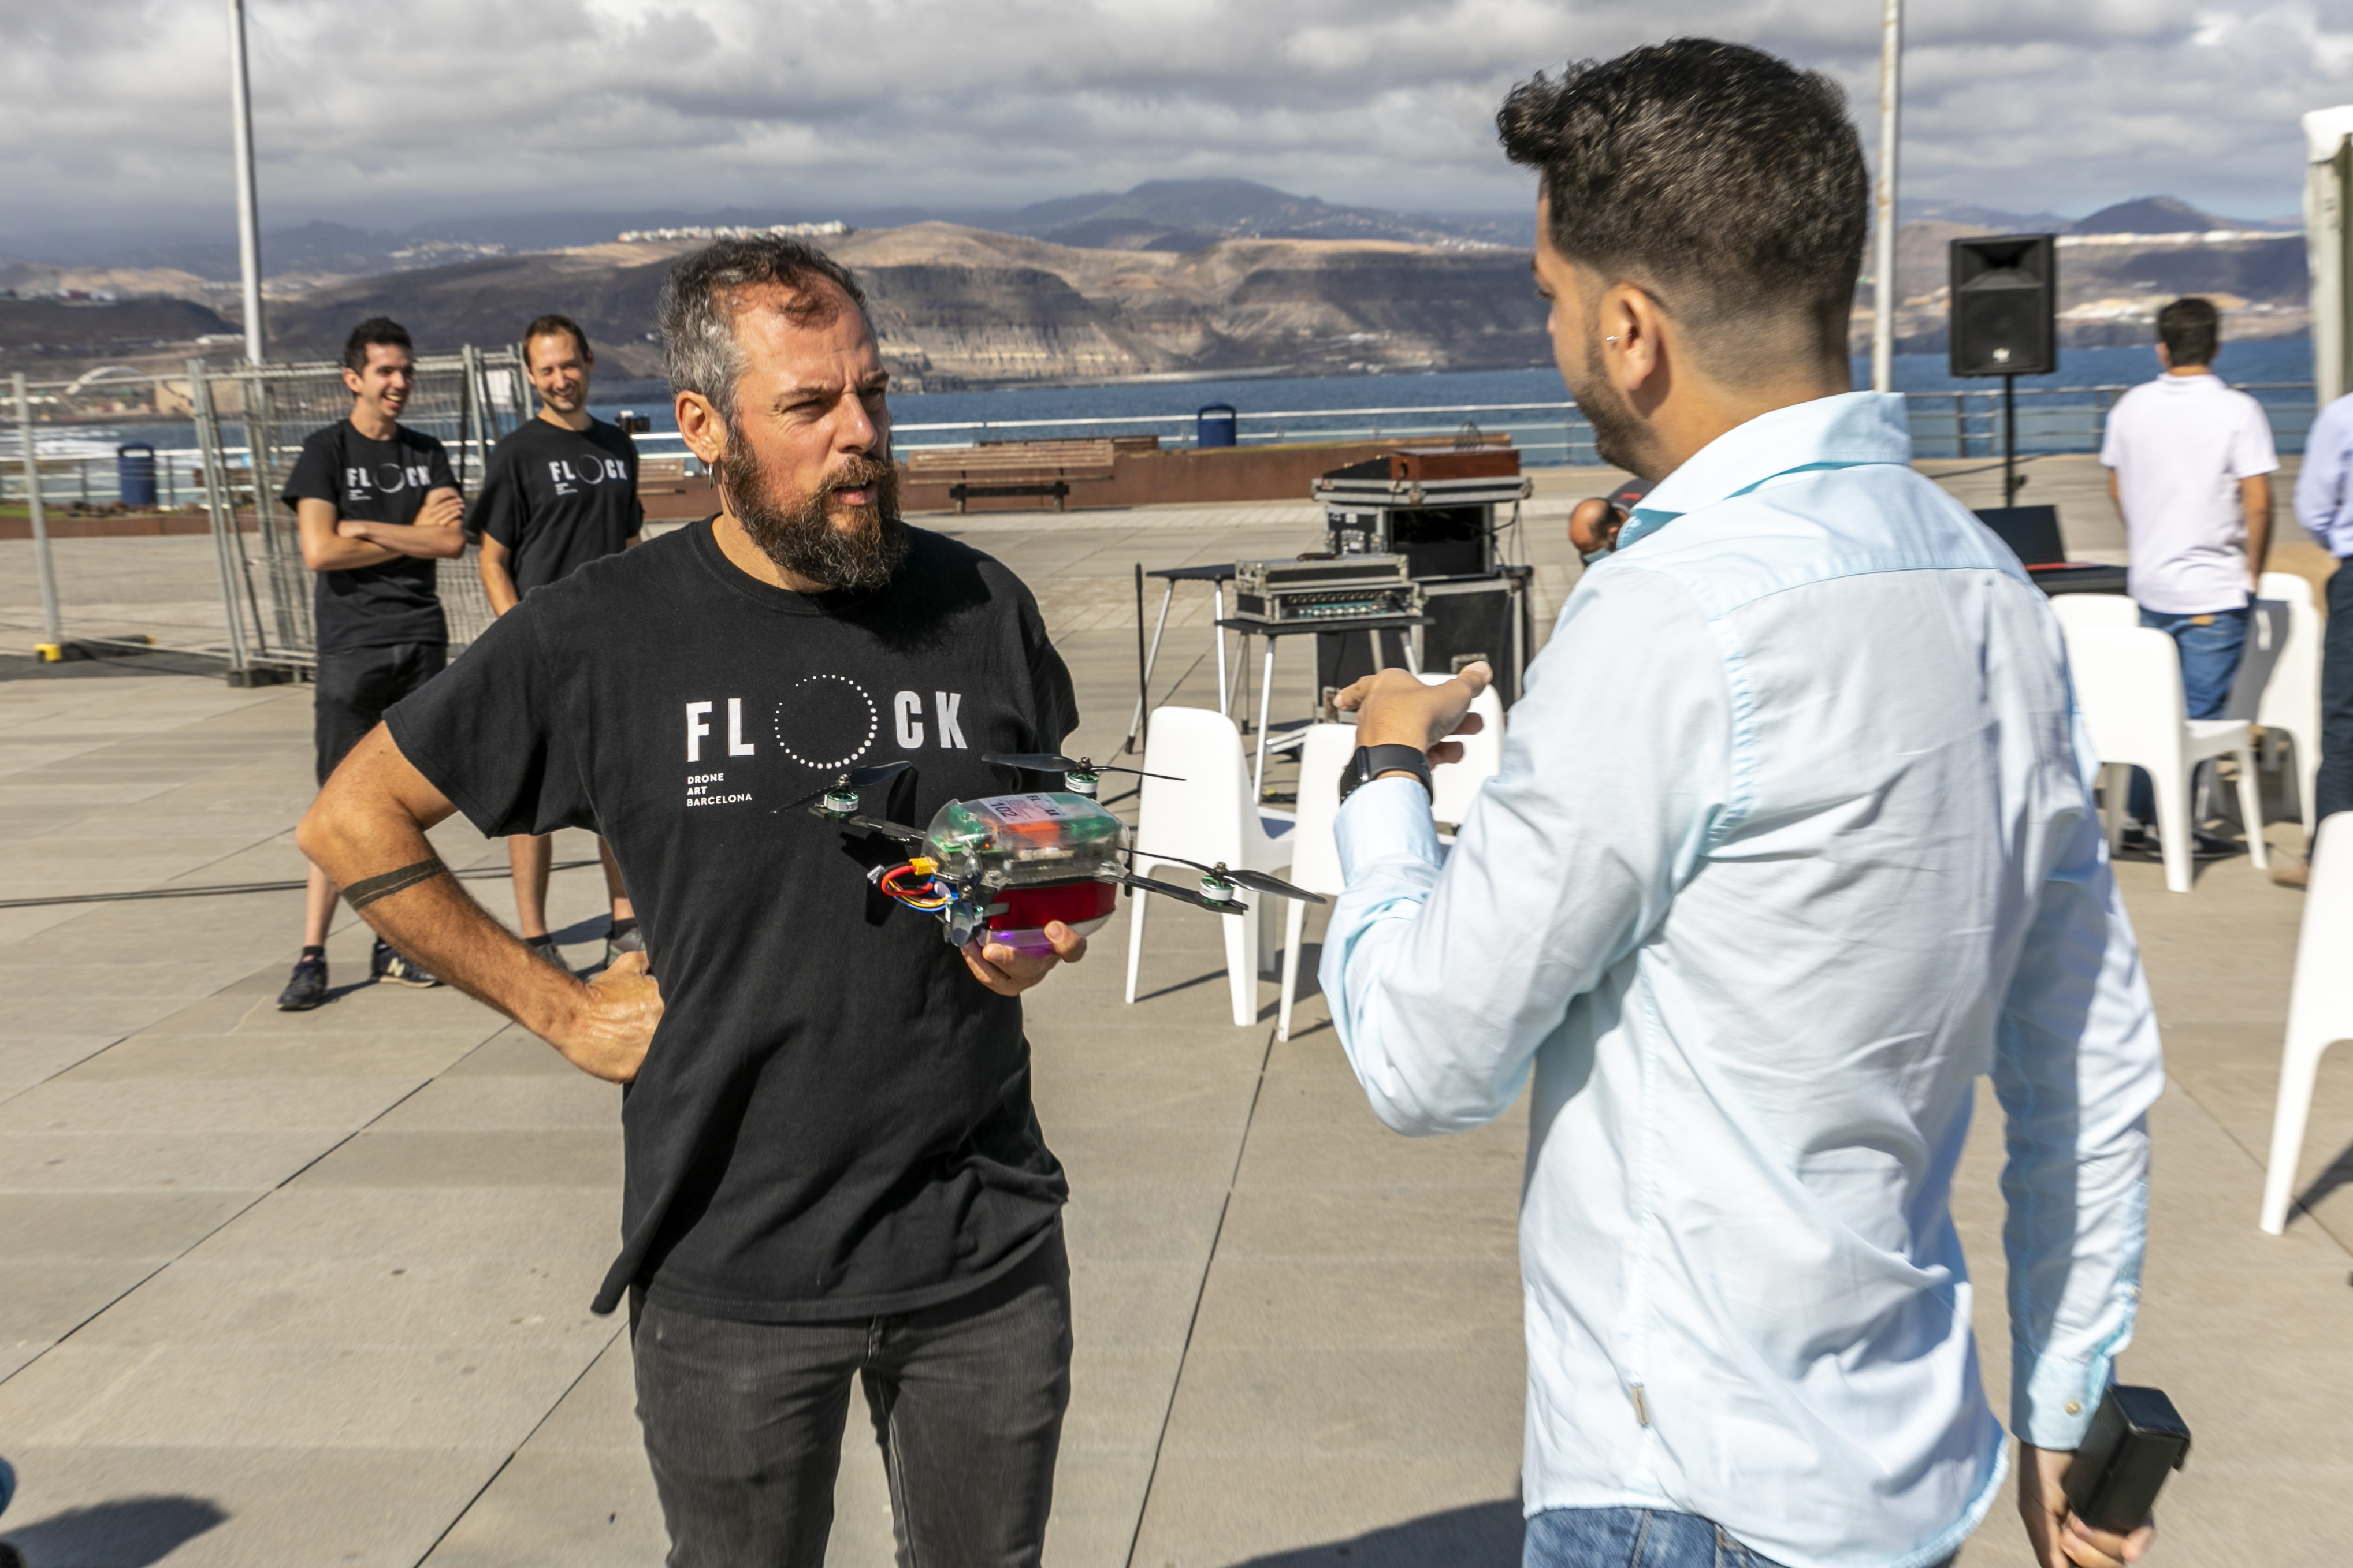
(1003,866)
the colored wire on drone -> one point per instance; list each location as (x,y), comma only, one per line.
(929,893)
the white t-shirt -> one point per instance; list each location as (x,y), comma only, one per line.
(2180,445)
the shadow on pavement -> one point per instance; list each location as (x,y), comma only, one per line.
(2338,1172)
(129,1532)
(1486,1535)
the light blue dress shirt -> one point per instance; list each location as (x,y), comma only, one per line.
(2323,488)
(1793,839)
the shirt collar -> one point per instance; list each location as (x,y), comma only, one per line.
(1836,432)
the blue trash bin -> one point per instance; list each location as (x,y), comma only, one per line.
(134,474)
(1213,425)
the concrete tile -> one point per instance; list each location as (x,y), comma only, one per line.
(1315,1224)
(537,1298)
(29,1059)
(514,1052)
(598,1415)
(1098,1496)
(517,1159)
(584,1510)
(132,1162)
(47,1300)
(1212,1512)
(88,1507)
(242,1104)
(1130,1306)
(405,1228)
(295,1394)
(92,1226)
(1367,1154)
(1178,1155)
(1111,1222)
(329,1054)
(1148,1096)
(1461,1304)
(482,1103)
(1387,1403)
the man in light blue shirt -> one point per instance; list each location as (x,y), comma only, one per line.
(1793,841)
(2324,504)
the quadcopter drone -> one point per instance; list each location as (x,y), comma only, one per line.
(1007,864)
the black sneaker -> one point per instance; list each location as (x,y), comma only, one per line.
(2142,840)
(384,964)
(546,948)
(631,941)
(306,988)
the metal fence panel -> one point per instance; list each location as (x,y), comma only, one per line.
(252,422)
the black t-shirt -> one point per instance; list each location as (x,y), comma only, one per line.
(834,1119)
(376,481)
(558,499)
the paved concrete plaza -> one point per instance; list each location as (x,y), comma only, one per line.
(281,1290)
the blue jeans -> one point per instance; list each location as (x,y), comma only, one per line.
(1635,1538)
(2334,789)
(2211,646)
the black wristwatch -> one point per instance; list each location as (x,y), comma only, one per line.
(1371,762)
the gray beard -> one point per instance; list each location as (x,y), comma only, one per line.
(799,536)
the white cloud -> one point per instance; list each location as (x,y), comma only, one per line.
(112,112)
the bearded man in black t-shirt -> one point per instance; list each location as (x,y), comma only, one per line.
(558,492)
(376,505)
(834,1172)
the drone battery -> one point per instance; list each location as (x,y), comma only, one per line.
(1082,906)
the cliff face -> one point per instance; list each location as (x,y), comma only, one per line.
(962,307)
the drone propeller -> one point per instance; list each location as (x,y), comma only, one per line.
(888,829)
(1194,896)
(848,785)
(1256,881)
(1055,762)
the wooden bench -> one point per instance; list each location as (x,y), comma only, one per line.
(1013,469)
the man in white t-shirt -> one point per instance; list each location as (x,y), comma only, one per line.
(2190,464)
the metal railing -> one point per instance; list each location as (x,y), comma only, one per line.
(225,575)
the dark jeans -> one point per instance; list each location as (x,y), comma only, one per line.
(2211,646)
(1633,1538)
(354,688)
(2334,789)
(744,1424)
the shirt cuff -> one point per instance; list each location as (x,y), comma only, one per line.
(1385,818)
(2052,1398)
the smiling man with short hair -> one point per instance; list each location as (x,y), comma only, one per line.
(375,507)
(558,492)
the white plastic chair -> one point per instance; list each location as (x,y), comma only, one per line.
(2128,681)
(2319,1008)
(1453,785)
(2095,612)
(1314,852)
(1204,811)
(2290,703)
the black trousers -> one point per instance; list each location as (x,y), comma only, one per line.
(744,1424)
(2334,791)
(356,686)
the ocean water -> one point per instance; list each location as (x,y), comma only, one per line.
(2056,413)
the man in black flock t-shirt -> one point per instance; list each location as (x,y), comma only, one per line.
(834,1174)
(557,493)
(376,505)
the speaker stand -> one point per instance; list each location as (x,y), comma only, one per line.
(2010,441)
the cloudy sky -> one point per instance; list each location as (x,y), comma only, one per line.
(113,117)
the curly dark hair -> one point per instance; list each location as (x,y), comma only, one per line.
(1726,181)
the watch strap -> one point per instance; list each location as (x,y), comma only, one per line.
(1371,762)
